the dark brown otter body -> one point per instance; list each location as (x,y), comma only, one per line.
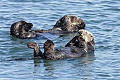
(21,29)
(50,53)
(66,52)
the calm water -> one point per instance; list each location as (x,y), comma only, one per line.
(102,18)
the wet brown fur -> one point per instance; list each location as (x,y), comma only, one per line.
(21,29)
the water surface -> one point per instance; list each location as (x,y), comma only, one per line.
(102,18)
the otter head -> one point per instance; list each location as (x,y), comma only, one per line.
(25,26)
(66,23)
(48,46)
(86,35)
(70,23)
(20,26)
(89,39)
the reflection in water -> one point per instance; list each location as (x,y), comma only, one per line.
(82,68)
(89,58)
(44,68)
(73,67)
(37,62)
(49,68)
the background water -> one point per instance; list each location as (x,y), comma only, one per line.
(102,18)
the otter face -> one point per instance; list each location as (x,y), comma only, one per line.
(87,36)
(48,46)
(33,45)
(81,42)
(89,39)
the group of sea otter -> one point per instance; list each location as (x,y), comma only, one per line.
(80,45)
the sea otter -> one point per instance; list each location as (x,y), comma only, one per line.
(51,54)
(21,29)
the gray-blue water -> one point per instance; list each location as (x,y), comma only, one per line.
(102,18)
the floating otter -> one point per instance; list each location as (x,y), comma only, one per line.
(51,54)
(21,29)
(87,36)
(67,24)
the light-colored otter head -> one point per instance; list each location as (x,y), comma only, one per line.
(87,36)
